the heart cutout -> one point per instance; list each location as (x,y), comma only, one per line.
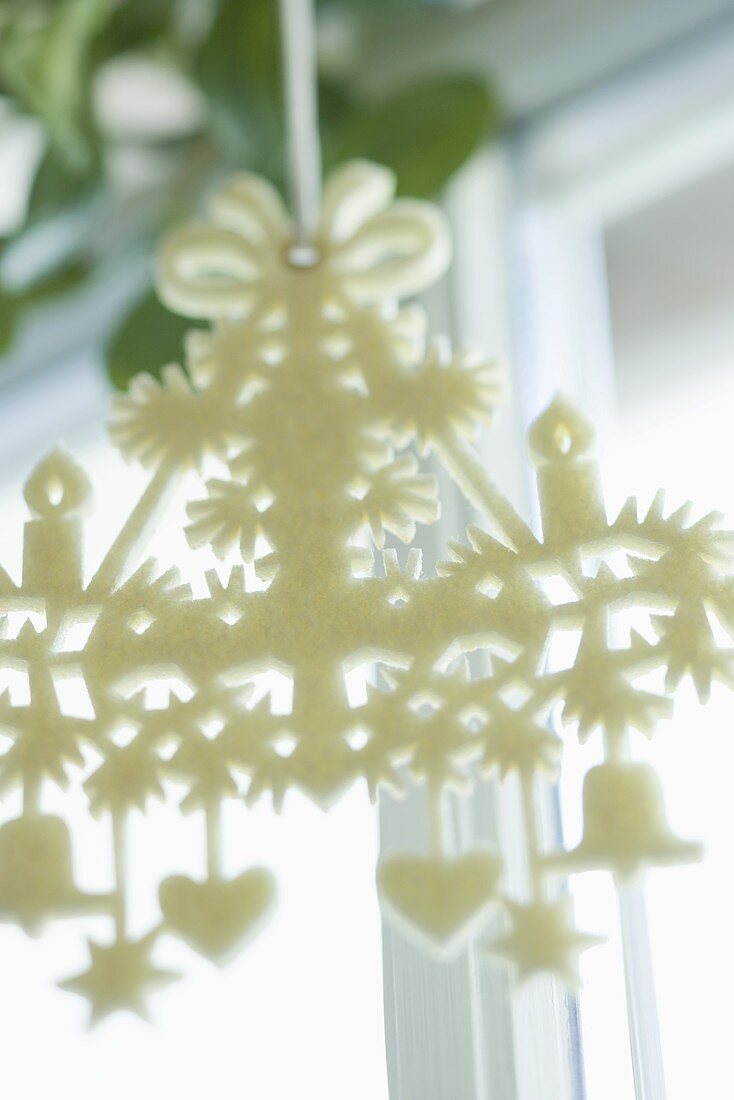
(217,916)
(439,898)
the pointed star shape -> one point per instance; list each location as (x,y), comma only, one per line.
(543,938)
(119,976)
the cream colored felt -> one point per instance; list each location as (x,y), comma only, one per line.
(543,939)
(442,898)
(118,977)
(301,417)
(36,879)
(216,916)
(624,824)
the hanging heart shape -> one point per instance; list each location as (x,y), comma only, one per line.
(441,899)
(217,916)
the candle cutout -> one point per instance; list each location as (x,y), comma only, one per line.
(569,489)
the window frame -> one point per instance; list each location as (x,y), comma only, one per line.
(529,284)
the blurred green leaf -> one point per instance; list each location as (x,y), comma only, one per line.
(136,23)
(147,339)
(45,63)
(424,133)
(9,317)
(65,278)
(238,69)
(57,187)
(15,302)
(246,38)
(335,105)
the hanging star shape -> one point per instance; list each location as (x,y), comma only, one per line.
(120,976)
(543,938)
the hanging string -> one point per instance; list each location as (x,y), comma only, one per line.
(298,35)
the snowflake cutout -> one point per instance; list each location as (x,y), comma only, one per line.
(303,413)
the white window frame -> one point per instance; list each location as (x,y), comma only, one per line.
(455,1030)
(529,284)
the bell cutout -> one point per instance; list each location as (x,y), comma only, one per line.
(625,827)
(36,880)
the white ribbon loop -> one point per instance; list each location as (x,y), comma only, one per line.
(353,194)
(213,270)
(251,206)
(373,247)
(207,272)
(397,253)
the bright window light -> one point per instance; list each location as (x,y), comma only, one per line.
(670,270)
(299,1012)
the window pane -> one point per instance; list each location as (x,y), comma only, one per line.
(671,284)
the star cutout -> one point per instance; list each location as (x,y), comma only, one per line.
(119,976)
(543,938)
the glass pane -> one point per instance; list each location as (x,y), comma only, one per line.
(671,286)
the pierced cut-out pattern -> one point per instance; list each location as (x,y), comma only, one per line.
(304,410)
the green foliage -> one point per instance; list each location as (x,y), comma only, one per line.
(14,304)
(424,134)
(136,24)
(59,187)
(52,51)
(44,64)
(148,338)
(238,69)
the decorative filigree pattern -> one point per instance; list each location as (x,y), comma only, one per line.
(303,410)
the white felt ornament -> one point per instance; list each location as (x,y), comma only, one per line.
(304,408)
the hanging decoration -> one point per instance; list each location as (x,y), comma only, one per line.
(301,409)
(303,413)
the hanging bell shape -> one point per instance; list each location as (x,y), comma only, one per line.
(625,828)
(36,880)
